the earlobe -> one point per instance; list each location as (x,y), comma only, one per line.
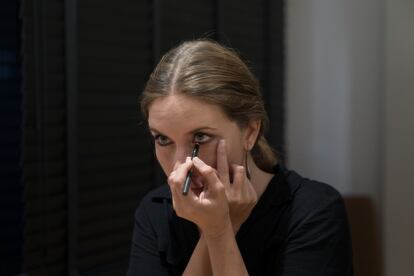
(252,131)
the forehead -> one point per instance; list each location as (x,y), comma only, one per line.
(184,112)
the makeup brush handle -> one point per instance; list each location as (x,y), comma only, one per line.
(187,183)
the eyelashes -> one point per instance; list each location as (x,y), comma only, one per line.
(199,138)
(162,140)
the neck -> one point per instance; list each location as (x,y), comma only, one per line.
(259,178)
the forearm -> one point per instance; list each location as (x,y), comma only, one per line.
(224,254)
(199,263)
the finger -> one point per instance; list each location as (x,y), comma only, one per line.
(185,167)
(175,194)
(177,177)
(207,172)
(192,197)
(222,164)
(181,204)
(178,163)
(175,181)
(239,177)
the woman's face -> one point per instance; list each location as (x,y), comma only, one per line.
(177,122)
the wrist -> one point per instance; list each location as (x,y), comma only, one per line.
(219,234)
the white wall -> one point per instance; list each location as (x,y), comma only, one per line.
(350,107)
(399,138)
(334,88)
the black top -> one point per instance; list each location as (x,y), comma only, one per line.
(298,227)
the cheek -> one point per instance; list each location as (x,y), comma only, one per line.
(208,153)
(165,158)
(235,154)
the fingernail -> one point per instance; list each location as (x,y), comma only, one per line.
(222,142)
(196,160)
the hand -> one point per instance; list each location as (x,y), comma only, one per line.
(240,193)
(209,209)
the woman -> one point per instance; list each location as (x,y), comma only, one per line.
(244,214)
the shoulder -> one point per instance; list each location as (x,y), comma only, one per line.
(315,228)
(311,191)
(154,203)
(157,194)
(314,199)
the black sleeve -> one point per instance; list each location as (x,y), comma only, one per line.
(145,257)
(320,244)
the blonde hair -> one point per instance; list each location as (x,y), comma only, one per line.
(208,71)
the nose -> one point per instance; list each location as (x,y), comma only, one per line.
(182,152)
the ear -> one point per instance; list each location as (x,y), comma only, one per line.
(250,134)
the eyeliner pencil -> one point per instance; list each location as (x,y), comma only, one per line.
(187,182)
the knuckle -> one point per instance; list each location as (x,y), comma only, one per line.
(220,187)
(173,182)
(239,169)
(234,195)
(207,170)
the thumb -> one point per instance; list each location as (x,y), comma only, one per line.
(208,173)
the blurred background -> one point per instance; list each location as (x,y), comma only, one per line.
(337,78)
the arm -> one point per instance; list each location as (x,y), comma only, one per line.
(199,263)
(217,253)
(241,199)
(210,211)
(224,253)
(225,260)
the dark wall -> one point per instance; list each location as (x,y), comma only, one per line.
(11,189)
(88,159)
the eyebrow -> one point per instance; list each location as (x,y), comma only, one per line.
(190,132)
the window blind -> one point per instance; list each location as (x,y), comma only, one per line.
(83,225)
(44,166)
(11,207)
(115,156)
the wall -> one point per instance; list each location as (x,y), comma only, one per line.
(350,84)
(334,80)
(399,138)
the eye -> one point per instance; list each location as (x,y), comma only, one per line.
(201,138)
(162,140)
